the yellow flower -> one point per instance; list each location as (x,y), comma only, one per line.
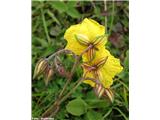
(102,68)
(88,33)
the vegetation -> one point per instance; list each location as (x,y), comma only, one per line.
(50,19)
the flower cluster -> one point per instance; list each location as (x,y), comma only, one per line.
(98,63)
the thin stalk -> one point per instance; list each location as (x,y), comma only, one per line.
(45,26)
(73,69)
(51,111)
(125,117)
(105,9)
(70,77)
(55,106)
(109,111)
(60,52)
(112,17)
(69,93)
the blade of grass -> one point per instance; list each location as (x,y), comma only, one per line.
(109,111)
(123,84)
(44,24)
(53,17)
(121,113)
(112,17)
(105,9)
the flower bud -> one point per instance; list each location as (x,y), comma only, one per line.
(48,75)
(105,92)
(99,90)
(41,66)
(108,92)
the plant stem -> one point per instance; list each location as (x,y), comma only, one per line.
(69,93)
(60,99)
(112,18)
(105,9)
(73,69)
(51,111)
(44,24)
(121,113)
(60,52)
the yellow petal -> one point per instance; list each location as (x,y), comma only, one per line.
(100,41)
(88,28)
(98,55)
(94,28)
(106,80)
(75,47)
(107,72)
(72,43)
(89,75)
(111,68)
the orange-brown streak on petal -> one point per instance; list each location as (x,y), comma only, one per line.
(85,66)
(91,54)
(101,62)
(95,73)
(99,40)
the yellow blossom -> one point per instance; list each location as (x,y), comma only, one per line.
(87,33)
(102,68)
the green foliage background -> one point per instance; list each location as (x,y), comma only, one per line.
(50,19)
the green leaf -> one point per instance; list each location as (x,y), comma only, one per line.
(71,3)
(60,6)
(77,107)
(97,103)
(73,13)
(123,114)
(55,31)
(53,17)
(41,41)
(97,11)
(126,60)
(92,115)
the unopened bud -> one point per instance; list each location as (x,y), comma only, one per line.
(41,66)
(99,90)
(48,75)
(61,70)
(108,92)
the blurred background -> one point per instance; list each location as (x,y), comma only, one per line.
(50,19)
